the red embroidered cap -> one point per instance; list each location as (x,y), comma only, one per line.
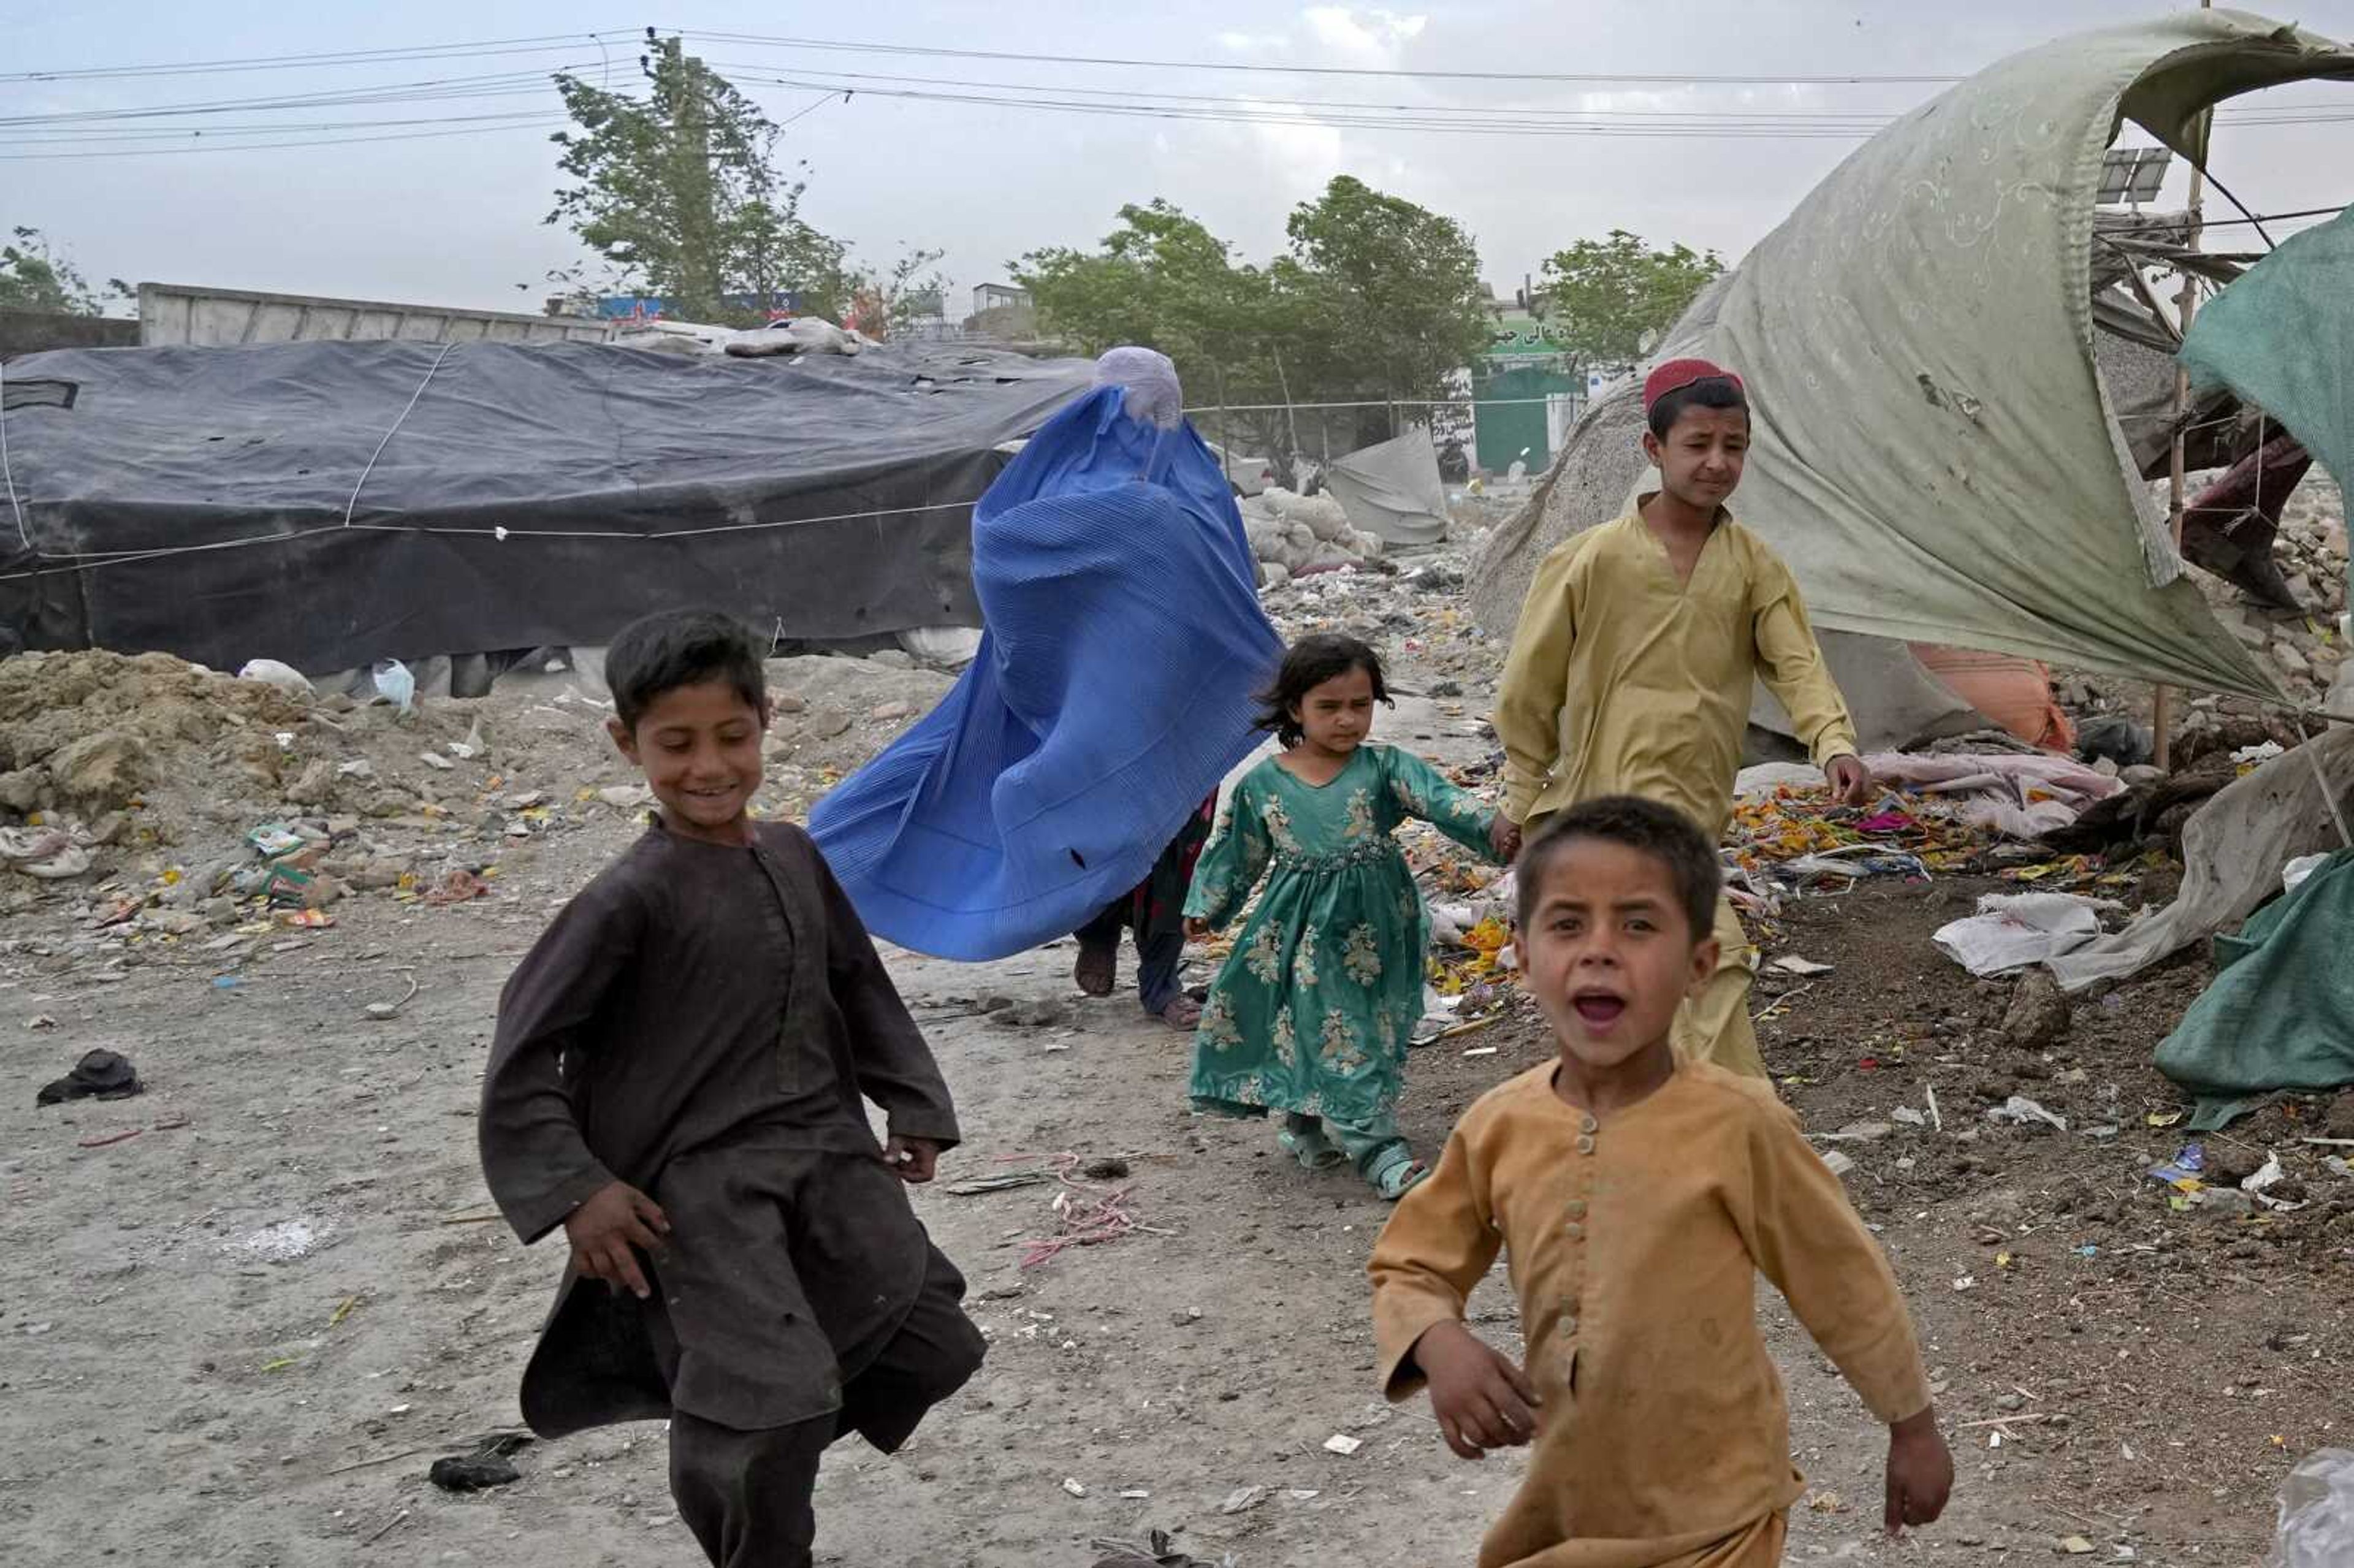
(1678,374)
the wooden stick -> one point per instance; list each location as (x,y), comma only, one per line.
(398,1521)
(1998,1421)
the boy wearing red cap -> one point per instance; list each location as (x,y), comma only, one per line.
(1638,646)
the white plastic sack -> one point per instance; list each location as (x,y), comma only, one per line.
(2015,930)
(942,647)
(270,672)
(2317,1513)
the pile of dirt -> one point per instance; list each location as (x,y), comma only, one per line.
(195,796)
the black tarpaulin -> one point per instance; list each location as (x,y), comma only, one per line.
(331,504)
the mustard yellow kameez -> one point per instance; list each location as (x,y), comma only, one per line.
(1634,1244)
(1623,681)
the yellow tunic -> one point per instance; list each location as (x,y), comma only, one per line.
(1634,1246)
(1623,681)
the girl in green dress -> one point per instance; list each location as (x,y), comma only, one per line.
(1311,1015)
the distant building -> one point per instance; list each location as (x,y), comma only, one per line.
(1526,392)
(999,296)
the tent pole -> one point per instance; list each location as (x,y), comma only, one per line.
(2162,700)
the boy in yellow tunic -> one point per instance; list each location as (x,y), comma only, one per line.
(1638,646)
(1637,1195)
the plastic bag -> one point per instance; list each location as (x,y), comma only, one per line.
(394,684)
(2316,1512)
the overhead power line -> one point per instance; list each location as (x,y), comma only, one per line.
(544,42)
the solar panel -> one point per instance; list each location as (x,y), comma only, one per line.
(2132,175)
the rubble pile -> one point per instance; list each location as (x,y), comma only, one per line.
(1301,536)
(182,798)
(2305,647)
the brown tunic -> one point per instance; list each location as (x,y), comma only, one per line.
(700,1023)
(1634,1246)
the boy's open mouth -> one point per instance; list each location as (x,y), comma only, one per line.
(1598,1008)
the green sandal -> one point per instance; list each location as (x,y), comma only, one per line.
(1308,1144)
(1396,1174)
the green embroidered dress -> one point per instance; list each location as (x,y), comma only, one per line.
(1312,1012)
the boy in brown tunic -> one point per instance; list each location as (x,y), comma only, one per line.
(676,1081)
(1638,1196)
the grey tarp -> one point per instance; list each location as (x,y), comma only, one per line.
(332,503)
(1393,491)
(1933,453)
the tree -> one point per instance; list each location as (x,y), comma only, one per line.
(1602,296)
(1388,292)
(1377,299)
(681,193)
(35,277)
(884,302)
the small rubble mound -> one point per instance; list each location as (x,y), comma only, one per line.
(90,733)
(2304,647)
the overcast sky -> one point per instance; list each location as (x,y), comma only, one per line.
(455,218)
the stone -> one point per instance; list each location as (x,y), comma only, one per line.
(2038,1015)
(893,659)
(790,702)
(102,772)
(2339,1121)
(890,712)
(2247,632)
(2289,661)
(827,723)
(1273,575)
(21,791)
(316,786)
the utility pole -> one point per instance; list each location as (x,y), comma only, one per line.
(2185,307)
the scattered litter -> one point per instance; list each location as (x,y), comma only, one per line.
(1967,1282)
(2163,1119)
(99,1075)
(394,684)
(1072,1486)
(1805,968)
(466,750)
(1111,1168)
(435,761)
(110,1139)
(2297,870)
(2021,1110)
(1003,1182)
(385,1012)
(2013,930)
(1909,1117)
(1839,1164)
(1341,1443)
(285,677)
(1086,1215)
(2185,1171)
(48,854)
(460,886)
(2075,1545)
(288,1241)
(1243,1499)
(1136,1494)
(2316,1512)
(1857,1132)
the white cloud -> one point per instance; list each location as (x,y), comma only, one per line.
(1375,38)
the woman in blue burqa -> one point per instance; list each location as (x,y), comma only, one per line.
(1067,782)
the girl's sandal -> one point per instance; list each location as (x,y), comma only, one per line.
(1184,1015)
(1098,971)
(1311,1147)
(1395,1178)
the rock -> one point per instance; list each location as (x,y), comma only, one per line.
(1273,574)
(100,772)
(21,791)
(1046,1013)
(2340,1122)
(2289,661)
(2038,1015)
(625,796)
(2011,1401)
(2141,776)
(893,659)
(827,723)
(1447,689)
(890,712)
(788,702)
(316,786)
(2228,1165)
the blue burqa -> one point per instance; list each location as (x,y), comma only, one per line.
(1114,689)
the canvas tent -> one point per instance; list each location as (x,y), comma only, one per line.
(1393,491)
(330,503)
(1933,453)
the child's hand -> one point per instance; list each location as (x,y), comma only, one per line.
(1851,780)
(914,1161)
(1504,838)
(1920,1471)
(1482,1400)
(616,1219)
(1196,927)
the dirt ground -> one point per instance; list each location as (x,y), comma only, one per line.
(241,1336)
